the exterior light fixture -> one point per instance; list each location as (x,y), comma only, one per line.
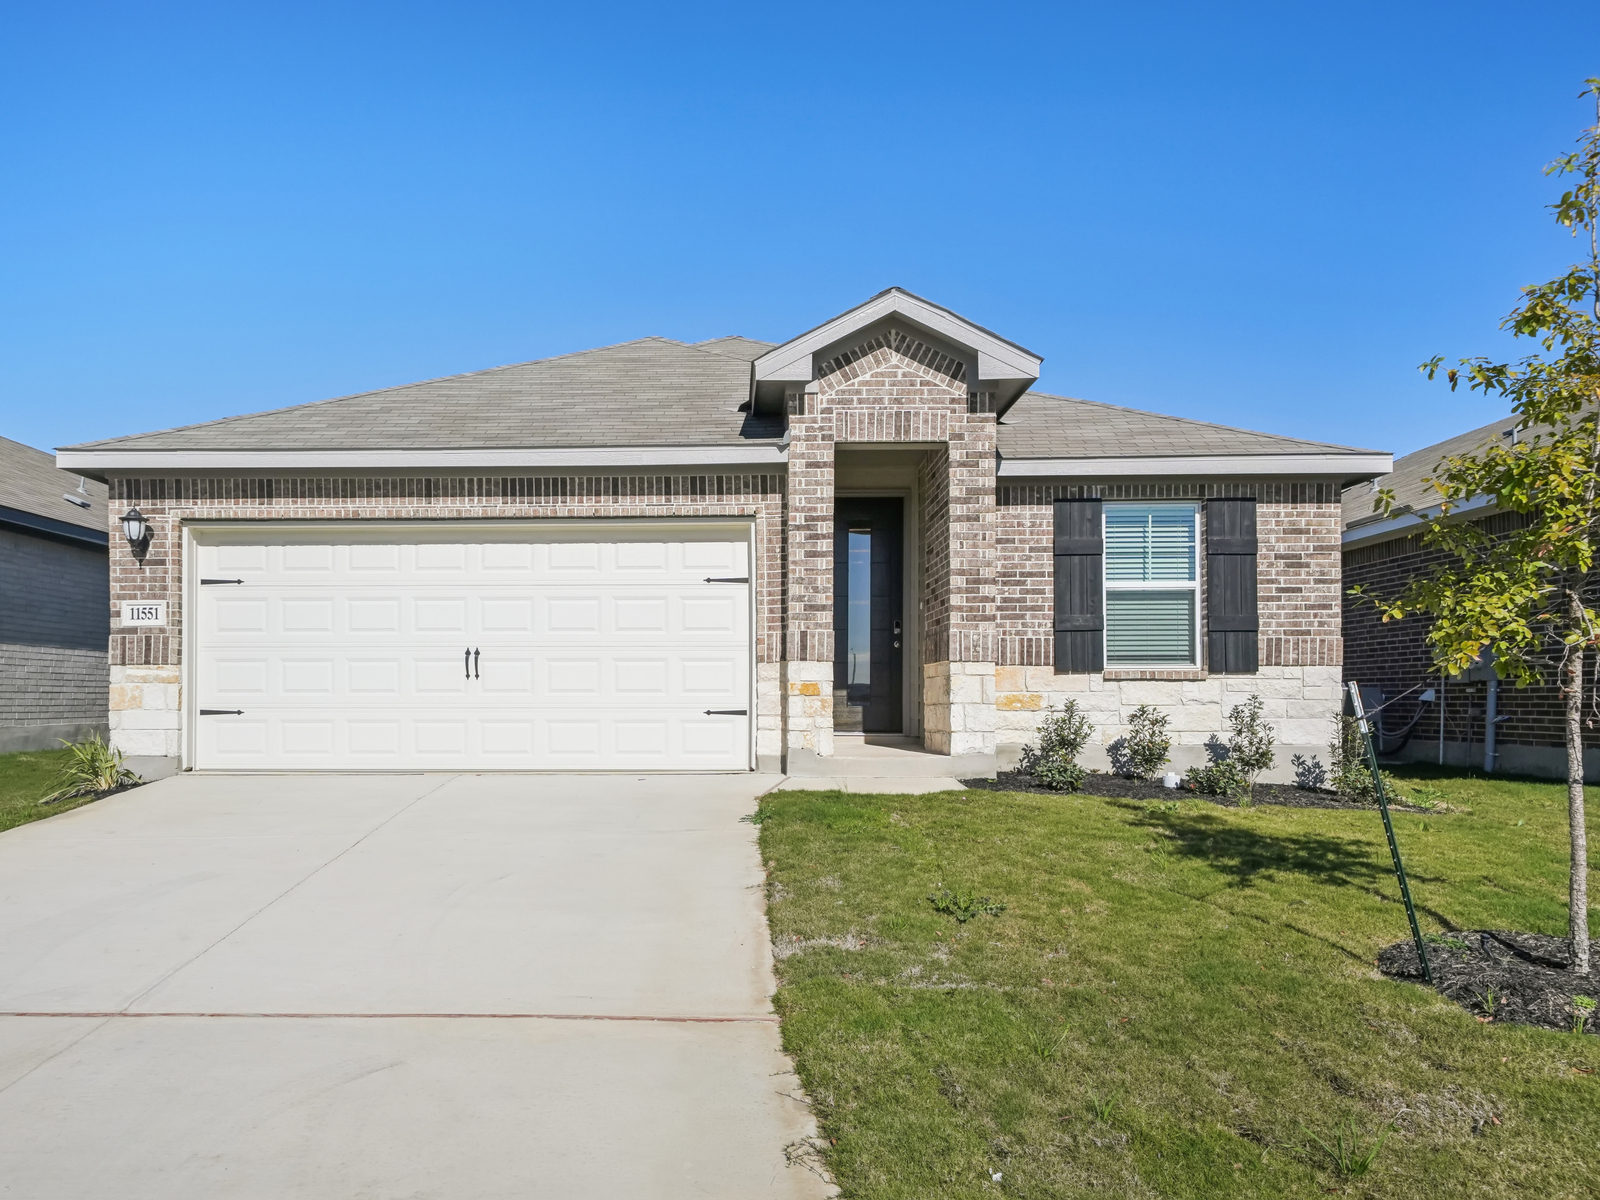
(137,530)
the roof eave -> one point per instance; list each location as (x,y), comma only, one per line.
(1382,529)
(1348,468)
(97,464)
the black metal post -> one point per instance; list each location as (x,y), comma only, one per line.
(1388,828)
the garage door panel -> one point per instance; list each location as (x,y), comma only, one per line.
(591,654)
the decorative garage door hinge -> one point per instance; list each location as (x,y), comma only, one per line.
(222,712)
(727,579)
(727,712)
(206,581)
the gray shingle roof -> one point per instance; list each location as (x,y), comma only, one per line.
(657,392)
(737,347)
(652,392)
(1045,426)
(30,483)
(1409,472)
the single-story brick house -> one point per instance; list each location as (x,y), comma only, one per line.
(53,588)
(1473,718)
(721,556)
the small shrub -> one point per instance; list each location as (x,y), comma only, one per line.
(1219,779)
(1143,751)
(1053,760)
(1309,773)
(1351,776)
(93,768)
(1061,776)
(1251,742)
(963,904)
(1247,754)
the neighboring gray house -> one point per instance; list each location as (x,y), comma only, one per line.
(723,556)
(54,602)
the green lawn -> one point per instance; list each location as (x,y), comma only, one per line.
(24,777)
(1175,999)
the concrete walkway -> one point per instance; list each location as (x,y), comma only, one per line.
(402,986)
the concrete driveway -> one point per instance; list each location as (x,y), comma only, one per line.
(394,986)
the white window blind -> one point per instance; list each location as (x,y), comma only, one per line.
(1152,589)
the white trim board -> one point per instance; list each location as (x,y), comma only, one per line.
(1341,465)
(419,460)
(997,357)
(1406,523)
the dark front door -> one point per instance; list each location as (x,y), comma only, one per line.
(867,615)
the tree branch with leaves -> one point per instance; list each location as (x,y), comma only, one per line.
(1526,594)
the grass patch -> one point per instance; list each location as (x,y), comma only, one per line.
(1177,1000)
(24,778)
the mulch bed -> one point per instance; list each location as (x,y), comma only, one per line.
(127,787)
(1118,787)
(1526,972)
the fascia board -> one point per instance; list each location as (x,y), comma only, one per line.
(100,461)
(1346,466)
(997,359)
(1406,523)
(36,523)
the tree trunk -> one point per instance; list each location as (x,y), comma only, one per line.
(1578,883)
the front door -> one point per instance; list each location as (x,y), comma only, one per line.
(867,615)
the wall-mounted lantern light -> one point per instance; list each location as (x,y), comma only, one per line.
(137,530)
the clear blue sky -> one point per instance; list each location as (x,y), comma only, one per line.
(1264,215)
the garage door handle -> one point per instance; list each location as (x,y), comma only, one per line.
(222,712)
(207,581)
(466,661)
(475,664)
(727,579)
(727,712)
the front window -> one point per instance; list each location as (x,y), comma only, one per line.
(1152,588)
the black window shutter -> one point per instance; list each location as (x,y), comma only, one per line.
(1231,623)
(1080,614)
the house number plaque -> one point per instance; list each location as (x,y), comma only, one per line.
(144,612)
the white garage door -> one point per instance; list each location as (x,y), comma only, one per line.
(471,647)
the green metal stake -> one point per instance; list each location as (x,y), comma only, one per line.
(1388,828)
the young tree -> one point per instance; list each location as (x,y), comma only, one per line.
(1526,594)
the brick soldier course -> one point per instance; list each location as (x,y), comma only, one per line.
(755,432)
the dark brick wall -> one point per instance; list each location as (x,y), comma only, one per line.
(1395,656)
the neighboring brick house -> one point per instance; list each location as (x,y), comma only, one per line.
(1392,659)
(53,595)
(724,556)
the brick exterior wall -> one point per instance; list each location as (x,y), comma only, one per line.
(985,597)
(1298,600)
(50,694)
(1394,656)
(53,628)
(892,391)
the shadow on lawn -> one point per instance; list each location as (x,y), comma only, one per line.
(1244,855)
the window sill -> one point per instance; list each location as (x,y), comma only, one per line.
(1116,674)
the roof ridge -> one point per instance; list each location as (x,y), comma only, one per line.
(1145,412)
(399,387)
(715,353)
